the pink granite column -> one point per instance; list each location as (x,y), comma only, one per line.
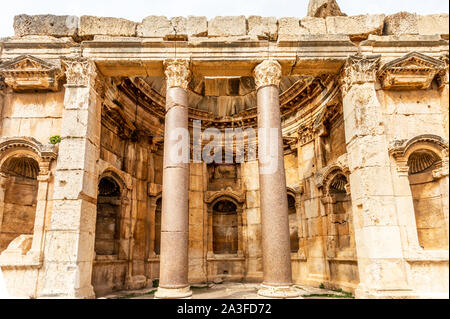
(272,180)
(174,263)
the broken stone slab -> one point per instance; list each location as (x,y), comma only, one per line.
(401,23)
(227,26)
(91,26)
(434,24)
(265,28)
(197,26)
(46,25)
(324,8)
(357,27)
(162,27)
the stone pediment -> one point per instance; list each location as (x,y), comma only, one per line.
(413,71)
(26,73)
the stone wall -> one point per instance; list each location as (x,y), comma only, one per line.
(195,28)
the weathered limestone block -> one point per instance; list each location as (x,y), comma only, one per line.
(50,25)
(357,27)
(434,24)
(91,26)
(401,23)
(263,27)
(197,26)
(161,27)
(310,25)
(227,26)
(324,8)
(288,29)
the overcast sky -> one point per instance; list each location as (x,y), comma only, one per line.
(136,10)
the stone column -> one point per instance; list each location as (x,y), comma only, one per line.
(272,180)
(173,281)
(69,247)
(382,268)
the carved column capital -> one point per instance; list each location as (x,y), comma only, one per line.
(267,72)
(359,70)
(443,76)
(177,73)
(80,72)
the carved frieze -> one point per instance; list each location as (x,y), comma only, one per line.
(413,71)
(359,70)
(177,73)
(267,72)
(26,73)
(306,134)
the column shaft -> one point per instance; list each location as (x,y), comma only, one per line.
(174,262)
(272,183)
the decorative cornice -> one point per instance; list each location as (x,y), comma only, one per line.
(324,176)
(399,148)
(443,76)
(359,70)
(212,196)
(177,73)
(80,72)
(413,71)
(267,72)
(30,73)
(45,152)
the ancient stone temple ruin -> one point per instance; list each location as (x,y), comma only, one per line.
(91,200)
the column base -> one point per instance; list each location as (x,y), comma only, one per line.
(174,293)
(283,292)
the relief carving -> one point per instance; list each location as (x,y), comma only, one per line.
(359,70)
(267,72)
(177,73)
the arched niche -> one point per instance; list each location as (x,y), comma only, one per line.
(293,222)
(107,227)
(427,199)
(225,232)
(422,162)
(24,177)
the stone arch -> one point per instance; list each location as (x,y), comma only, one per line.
(24,169)
(424,160)
(225,263)
(341,256)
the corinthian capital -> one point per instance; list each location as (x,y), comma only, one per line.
(80,72)
(267,72)
(177,73)
(359,70)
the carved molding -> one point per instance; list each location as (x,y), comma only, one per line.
(359,70)
(325,176)
(177,73)
(413,71)
(238,196)
(30,73)
(45,152)
(399,148)
(432,149)
(442,77)
(306,133)
(267,72)
(80,72)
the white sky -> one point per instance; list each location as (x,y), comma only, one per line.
(136,10)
